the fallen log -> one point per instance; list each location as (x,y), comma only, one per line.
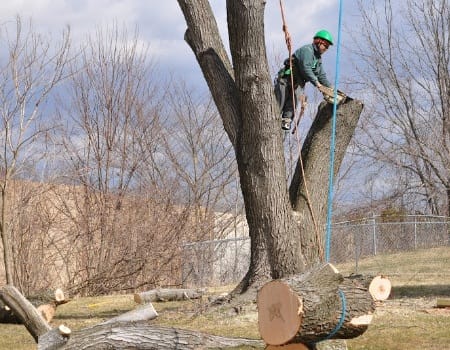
(145,313)
(442,302)
(144,336)
(45,302)
(54,339)
(118,334)
(168,295)
(25,311)
(379,286)
(317,305)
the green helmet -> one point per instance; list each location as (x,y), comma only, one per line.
(324,34)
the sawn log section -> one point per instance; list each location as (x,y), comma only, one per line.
(314,306)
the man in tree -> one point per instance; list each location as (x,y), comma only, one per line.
(306,67)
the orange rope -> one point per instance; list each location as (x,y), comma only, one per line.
(287,38)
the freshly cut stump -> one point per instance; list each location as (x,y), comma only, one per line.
(279,311)
(380,288)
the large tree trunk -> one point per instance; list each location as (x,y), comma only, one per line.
(316,159)
(243,93)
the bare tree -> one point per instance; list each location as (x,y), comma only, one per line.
(285,238)
(125,218)
(31,70)
(405,49)
(201,157)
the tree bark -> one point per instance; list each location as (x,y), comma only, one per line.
(45,303)
(316,159)
(25,311)
(312,307)
(283,241)
(54,339)
(144,336)
(145,313)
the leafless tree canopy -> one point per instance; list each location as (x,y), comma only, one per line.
(404,49)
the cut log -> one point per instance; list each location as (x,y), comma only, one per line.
(145,313)
(307,308)
(54,339)
(46,303)
(144,336)
(168,295)
(443,302)
(25,311)
(380,288)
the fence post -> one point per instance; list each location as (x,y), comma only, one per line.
(374,235)
(415,232)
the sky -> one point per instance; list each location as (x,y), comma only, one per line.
(161,25)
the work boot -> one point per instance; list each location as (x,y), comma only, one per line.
(286,123)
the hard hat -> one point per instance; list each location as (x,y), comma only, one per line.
(324,34)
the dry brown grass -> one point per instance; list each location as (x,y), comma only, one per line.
(408,320)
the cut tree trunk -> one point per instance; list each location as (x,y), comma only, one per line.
(25,311)
(168,295)
(443,302)
(45,302)
(144,336)
(145,313)
(379,286)
(54,339)
(118,334)
(308,308)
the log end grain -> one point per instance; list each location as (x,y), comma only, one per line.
(380,288)
(280,313)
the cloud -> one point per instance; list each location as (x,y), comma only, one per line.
(162,25)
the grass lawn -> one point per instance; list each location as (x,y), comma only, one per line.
(408,320)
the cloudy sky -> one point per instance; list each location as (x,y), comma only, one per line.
(161,24)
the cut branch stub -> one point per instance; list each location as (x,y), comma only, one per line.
(279,313)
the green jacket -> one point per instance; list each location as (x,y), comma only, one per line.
(309,65)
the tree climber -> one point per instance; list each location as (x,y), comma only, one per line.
(306,67)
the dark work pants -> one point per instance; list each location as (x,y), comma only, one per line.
(283,92)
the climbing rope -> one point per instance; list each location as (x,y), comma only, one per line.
(288,40)
(333,142)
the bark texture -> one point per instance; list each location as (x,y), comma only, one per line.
(308,308)
(283,241)
(144,336)
(25,311)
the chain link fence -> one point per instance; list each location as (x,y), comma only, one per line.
(221,262)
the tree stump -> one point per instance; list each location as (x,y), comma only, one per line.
(317,305)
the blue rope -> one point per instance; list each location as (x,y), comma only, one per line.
(342,319)
(333,141)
